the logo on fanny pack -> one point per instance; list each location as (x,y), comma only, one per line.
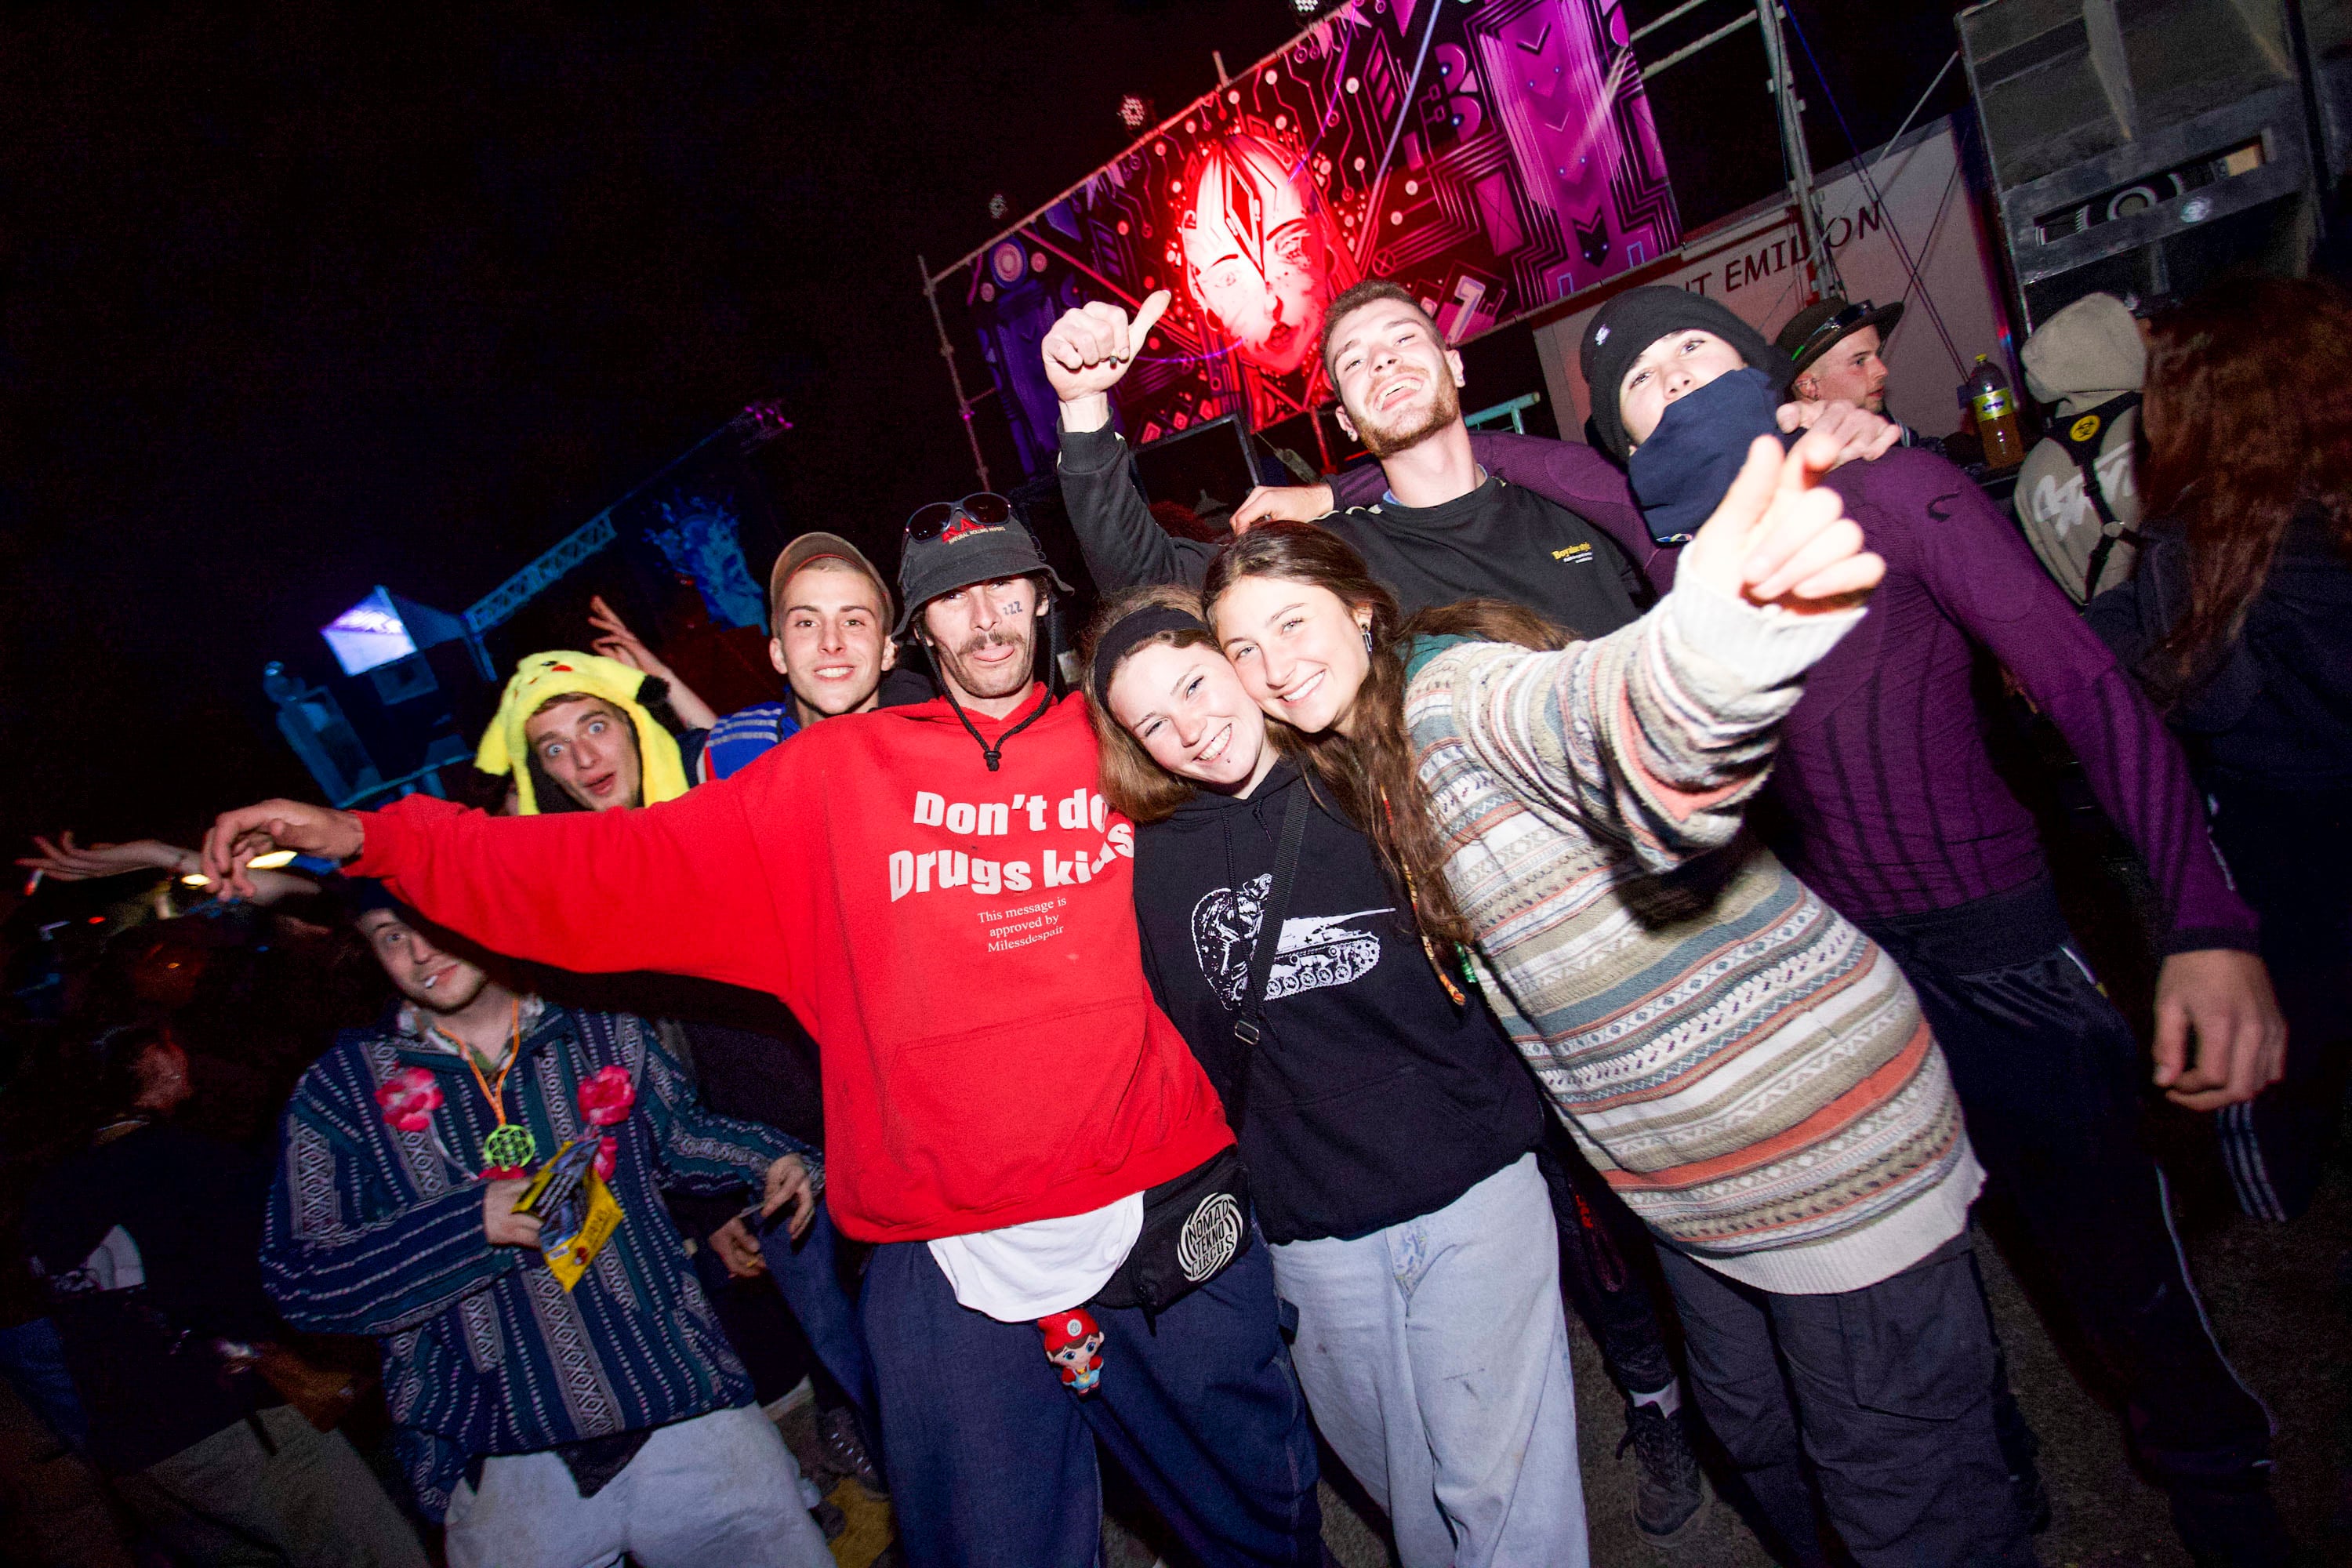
(1210,1237)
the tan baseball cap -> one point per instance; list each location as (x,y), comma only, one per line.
(811,547)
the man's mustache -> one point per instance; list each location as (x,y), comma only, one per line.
(989,639)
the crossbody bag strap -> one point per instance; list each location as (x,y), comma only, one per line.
(1250,1025)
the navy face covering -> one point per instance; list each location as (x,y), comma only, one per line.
(1682,471)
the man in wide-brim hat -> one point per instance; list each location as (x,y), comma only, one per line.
(1839,350)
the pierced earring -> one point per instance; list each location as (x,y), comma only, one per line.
(1368,639)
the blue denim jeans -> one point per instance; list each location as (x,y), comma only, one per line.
(992,1460)
(1434,1355)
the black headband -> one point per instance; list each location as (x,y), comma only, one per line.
(1131,630)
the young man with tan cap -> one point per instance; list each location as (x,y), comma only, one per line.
(829,617)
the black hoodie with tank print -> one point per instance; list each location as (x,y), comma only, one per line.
(1373,1097)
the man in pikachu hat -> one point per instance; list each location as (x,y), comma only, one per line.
(589,733)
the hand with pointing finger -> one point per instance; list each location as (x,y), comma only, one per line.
(1776,540)
(1089,350)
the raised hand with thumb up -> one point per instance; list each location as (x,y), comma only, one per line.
(1089,350)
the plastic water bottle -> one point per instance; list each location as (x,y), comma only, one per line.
(1987,396)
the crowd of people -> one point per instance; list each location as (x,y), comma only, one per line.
(1515,880)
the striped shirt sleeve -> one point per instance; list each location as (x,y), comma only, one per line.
(701,1151)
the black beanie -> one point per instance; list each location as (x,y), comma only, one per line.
(1634,319)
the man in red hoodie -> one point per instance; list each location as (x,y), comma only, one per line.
(939,892)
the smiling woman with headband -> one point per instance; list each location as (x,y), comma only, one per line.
(1387,1122)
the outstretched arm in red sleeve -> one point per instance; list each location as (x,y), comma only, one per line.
(681,887)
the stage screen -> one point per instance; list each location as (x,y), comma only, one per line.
(371,633)
(1521,167)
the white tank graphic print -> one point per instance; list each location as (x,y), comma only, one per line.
(1315,951)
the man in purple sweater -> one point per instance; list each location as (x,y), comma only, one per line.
(1888,805)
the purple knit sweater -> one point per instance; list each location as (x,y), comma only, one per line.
(1891,802)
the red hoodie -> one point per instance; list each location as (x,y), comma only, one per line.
(961,942)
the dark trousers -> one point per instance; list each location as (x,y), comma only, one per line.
(808,1275)
(993,1459)
(2049,1075)
(1886,1390)
(2291,853)
(1603,1249)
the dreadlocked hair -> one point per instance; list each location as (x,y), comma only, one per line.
(1370,773)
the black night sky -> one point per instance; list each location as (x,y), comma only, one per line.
(315,298)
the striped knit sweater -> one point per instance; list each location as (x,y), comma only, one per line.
(376,1231)
(1749,1070)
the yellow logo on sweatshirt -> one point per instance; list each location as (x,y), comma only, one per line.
(1573,554)
(2085,427)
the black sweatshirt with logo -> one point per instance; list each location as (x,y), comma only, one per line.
(1499,541)
(1373,1099)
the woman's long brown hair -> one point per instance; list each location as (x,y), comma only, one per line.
(2248,422)
(1372,774)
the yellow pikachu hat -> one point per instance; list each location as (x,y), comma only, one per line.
(563,673)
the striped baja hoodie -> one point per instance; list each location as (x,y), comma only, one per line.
(1749,1070)
(376,1230)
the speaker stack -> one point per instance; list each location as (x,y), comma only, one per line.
(2144,146)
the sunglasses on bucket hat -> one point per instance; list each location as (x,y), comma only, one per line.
(985,508)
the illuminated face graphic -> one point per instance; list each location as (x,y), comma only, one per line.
(1257,250)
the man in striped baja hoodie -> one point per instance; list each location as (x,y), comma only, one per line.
(548,1426)
(1749,1071)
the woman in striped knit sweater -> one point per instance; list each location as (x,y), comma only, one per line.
(1751,1072)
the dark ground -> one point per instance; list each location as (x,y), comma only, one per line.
(2280,1299)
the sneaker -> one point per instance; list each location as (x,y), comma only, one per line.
(1670,1491)
(844,1446)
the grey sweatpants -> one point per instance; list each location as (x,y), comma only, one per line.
(1434,1356)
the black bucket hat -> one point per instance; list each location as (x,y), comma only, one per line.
(953,545)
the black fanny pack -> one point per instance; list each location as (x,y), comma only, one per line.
(1196,1225)
(1194,1228)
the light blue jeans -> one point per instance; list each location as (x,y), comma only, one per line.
(1434,1357)
(720,1489)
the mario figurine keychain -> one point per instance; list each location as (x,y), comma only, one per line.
(1072,1338)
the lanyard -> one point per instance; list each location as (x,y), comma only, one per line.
(506,1147)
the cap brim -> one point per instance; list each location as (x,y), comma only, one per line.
(1883,317)
(960,580)
(809,547)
